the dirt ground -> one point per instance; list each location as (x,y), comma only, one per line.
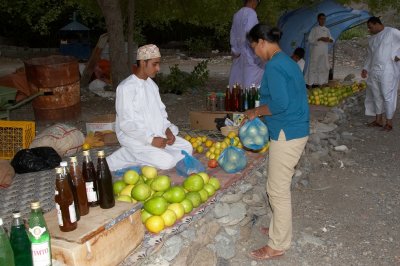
(351,210)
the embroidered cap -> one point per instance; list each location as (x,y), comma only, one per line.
(148,51)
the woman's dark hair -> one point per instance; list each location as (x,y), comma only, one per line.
(299,52)
(264,32)
(374,20)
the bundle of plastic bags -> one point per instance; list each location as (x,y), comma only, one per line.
(254,134)
(189,165)
(232,159)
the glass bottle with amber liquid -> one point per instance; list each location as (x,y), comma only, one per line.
(39,237)
(65,205)
(89,175)
(65,171)
(80,186)
(104,182)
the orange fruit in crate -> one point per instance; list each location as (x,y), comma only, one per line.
(155,224)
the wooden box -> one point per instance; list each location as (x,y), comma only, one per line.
(103,237)
(206,119)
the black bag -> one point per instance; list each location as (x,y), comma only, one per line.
(35,159)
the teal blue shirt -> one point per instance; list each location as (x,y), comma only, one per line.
(283,90)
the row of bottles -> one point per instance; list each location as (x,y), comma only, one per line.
(26,247)
(240,99)
(77,188)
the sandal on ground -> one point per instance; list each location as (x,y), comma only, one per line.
(374,124)
(266,253)
(387,128)
(264,230)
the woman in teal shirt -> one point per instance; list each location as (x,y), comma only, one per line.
(284,106)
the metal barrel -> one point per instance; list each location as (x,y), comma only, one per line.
(57,76)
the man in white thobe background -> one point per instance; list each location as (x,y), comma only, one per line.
(146,135)
(382,72)
(247,69)
(317,72)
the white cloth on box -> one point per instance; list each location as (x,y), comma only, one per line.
(246,68)
(141,116)
(383,73)
(317,72)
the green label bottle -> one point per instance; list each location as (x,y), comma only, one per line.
(20,242)
(6,252)
(39,237)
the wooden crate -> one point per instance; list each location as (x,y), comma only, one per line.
(103,237)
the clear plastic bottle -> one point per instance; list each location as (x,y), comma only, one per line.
(104,182)
(66,212)
(6,252)
(79,183)
(39,236)
(89,175)
(20,242)
(65,171)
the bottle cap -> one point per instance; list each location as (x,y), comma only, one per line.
(73,159)
(63,164)
(16,214)
(58,170)
(1,221)
(35,205)
(100,153)
(86,153)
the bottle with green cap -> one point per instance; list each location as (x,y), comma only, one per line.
(104,182)
(6,252)
(20,242)
(39,236)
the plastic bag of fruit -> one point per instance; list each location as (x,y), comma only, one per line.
(254,134)
(189,165)
(232,159)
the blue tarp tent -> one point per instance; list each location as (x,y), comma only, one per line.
(297,24)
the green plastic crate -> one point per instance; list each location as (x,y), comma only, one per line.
(7,96)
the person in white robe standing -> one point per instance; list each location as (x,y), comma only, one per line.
(382,73)
(146,135)
(246,69)
(317,72)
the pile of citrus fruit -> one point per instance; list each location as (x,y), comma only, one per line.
(164,203)
(213,149)
(331,96)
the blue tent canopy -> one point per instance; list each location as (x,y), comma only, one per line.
(297,24)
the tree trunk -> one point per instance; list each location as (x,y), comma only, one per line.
(131,29)
(114,23)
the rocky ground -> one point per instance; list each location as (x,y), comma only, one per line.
(345,191)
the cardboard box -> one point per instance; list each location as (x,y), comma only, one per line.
(206,119)
(101,123)
(103,237)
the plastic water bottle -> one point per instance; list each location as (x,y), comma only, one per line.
(6,252)
(20,242)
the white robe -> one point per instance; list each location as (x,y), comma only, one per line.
(317,72)
(383,73)
(141,116)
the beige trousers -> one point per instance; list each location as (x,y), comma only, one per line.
(283,157)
